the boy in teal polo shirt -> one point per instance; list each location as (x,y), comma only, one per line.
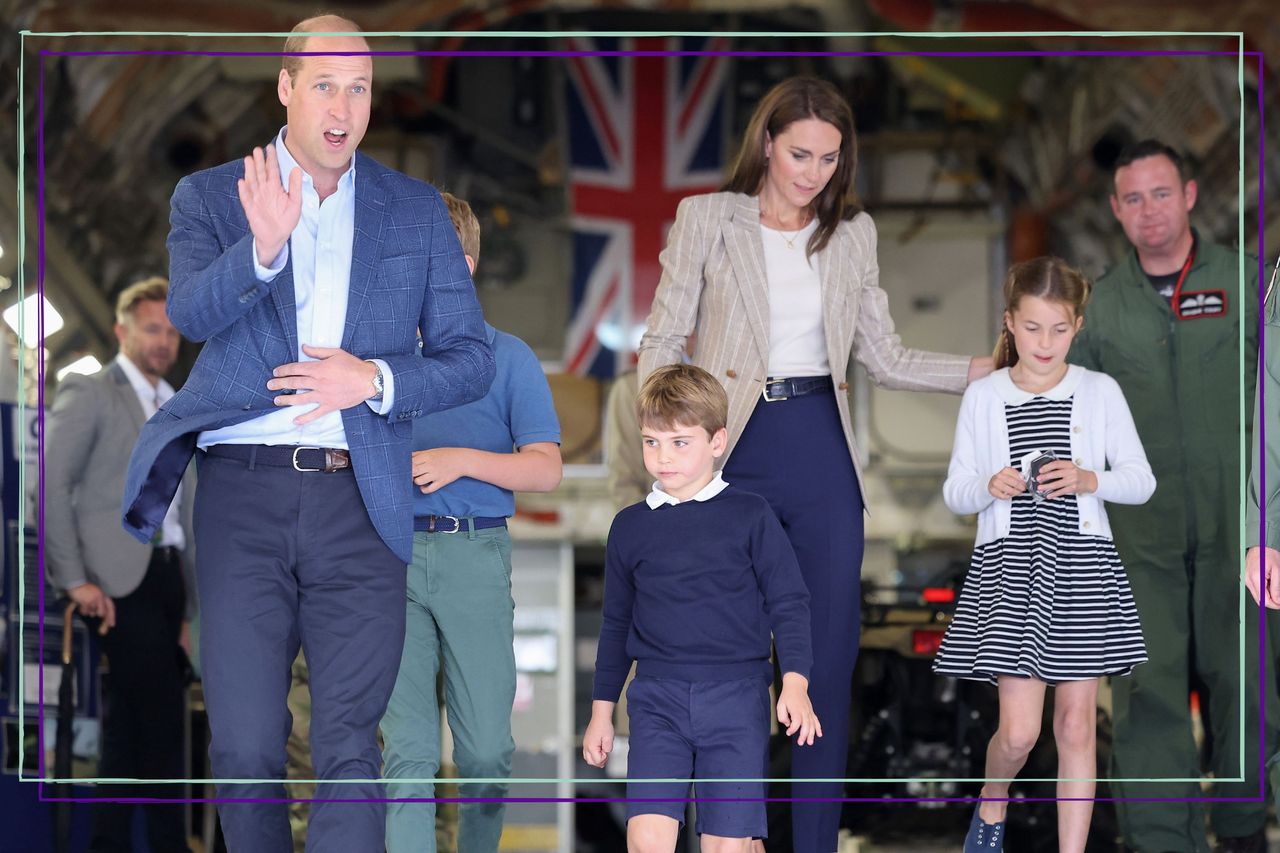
(459,586)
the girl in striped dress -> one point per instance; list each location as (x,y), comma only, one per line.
(1046,601)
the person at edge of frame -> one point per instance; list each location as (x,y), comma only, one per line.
(1262,536)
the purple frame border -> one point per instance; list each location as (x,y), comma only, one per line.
(40,416)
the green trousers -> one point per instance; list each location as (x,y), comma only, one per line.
(460,615)
(1189,604)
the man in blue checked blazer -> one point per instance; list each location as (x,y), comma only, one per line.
(307,270)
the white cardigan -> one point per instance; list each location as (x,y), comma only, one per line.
(1102,433)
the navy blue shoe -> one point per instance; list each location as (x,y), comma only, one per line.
(983,837)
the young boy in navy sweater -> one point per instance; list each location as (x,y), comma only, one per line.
(697,577)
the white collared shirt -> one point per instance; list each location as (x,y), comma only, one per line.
(152,399)
(321,245)
(657,497)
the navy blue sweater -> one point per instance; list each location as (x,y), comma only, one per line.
(692,591)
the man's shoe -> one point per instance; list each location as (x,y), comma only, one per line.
(1255,843)
(983,837)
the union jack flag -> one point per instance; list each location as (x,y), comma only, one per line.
(643,133)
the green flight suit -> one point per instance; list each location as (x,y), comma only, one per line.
(1182,548)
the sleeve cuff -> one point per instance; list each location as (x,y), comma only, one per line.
(268,273)
(606,692)
(383,405)
(536,437)
(800,668)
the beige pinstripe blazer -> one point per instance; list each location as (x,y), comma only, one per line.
(713,282)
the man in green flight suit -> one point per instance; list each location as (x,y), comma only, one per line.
(1165,323)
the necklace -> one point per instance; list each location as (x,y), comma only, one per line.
(795,235)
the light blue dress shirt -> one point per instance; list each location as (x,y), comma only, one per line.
(321,245)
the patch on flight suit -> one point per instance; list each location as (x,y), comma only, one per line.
(1193,305)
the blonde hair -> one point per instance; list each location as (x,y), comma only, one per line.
(465,223)
(682,395)
(1048,278)
(154,289)
(297,42)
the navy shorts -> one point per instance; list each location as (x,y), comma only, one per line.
(685,730)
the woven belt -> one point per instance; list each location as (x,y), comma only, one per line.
(321,460)
(453,524)
(776,390)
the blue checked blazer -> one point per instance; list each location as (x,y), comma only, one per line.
(407,272)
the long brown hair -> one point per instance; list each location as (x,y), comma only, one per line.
(796,99)
(1048,278)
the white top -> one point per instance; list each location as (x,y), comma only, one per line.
(657,497)
(321,245)
(797,340)
(1103,440)
(152,399)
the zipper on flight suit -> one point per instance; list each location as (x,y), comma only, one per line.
(1188,501)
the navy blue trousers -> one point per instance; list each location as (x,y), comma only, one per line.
(793,453)
(286,558)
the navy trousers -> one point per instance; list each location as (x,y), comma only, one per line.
(793,453)
(283,558)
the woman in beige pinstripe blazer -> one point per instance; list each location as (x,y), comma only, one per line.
(735,270)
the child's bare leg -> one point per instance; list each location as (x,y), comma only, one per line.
(720,844)
(652,833)
(1075,728)
(1021,704)
(757,845)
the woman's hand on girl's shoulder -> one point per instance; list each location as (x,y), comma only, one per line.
(980,366)
(1006,484)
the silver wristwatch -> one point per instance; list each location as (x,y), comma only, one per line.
(377,381)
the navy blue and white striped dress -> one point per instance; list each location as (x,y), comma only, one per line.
(1044,602)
